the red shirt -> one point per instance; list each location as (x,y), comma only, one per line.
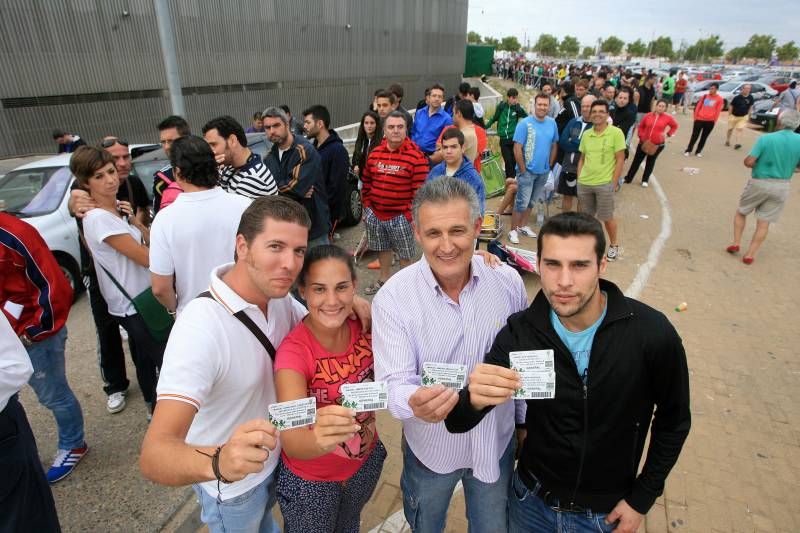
(653,127)
(31,278)
(390,179)
(325,372)
(708,108)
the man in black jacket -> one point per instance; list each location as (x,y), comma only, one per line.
(598,364)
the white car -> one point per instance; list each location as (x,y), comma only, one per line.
(729,89)
(38,193)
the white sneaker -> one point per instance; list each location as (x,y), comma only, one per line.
(699,155)
(613,253)
(115,402)
(527,231)
(645,184)
(513,237)
(686,154)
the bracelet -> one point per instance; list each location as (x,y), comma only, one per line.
(215,465)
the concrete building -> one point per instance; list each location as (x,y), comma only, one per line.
(95,67)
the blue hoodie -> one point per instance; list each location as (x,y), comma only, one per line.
(467,173)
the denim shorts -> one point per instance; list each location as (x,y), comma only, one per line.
(529,188)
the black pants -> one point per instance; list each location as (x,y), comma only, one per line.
(703,129)
(507,150)
(147,355)
(26,502)
(648,165)
(112,357)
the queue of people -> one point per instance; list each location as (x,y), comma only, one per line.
(242,343)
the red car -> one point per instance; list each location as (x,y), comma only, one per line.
(779,83)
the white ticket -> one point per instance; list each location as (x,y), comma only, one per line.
(450,375)
(293,414)
(537,370)
(367,396)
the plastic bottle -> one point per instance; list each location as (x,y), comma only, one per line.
(691,170)
(540,214)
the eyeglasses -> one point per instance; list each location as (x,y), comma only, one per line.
(111,141)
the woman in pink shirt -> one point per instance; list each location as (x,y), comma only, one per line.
(329,470)
(654,129)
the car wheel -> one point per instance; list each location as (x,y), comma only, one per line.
(72,273)
(354,207)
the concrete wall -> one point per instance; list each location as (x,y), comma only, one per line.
(94,67)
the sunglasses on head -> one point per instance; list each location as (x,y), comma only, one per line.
(111,141)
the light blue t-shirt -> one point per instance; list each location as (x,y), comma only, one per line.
(579,343)
(536,138)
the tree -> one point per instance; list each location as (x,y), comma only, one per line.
(612,45)
(588,51)
(705,48)
(510,43)
(637,48)
(661,47)
(569,46)
(760,46)
(546,45)
(788,52)
(492,41)
(474,37)
(735,54)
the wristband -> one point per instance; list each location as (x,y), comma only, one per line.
(215,466)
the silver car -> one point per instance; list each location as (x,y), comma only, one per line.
(728,90)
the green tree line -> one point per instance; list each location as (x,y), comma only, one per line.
(758,47)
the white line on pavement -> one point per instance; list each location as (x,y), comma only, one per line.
(643,274)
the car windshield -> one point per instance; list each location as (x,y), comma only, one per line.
(728,87)
(34,191)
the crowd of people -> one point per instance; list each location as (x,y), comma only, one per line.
(230,314)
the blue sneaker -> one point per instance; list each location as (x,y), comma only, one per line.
(65,462)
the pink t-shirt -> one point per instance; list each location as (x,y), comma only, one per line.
(325,372)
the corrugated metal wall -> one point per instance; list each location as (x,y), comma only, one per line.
(94,66)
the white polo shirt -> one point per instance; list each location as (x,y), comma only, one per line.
(215,364)
(192,236)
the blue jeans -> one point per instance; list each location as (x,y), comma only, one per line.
(427,494)
(527,512)
(248,512)
(49,382)
(529,188)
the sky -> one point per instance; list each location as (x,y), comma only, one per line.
(733,20)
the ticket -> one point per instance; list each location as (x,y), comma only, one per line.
(450,375)
(367,396)
(293,414)
(537,371)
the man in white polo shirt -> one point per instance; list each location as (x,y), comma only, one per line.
(209,428)
(197,232)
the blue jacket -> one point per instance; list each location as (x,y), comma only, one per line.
(467,173)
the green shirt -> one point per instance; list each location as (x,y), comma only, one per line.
(777,155)
(599,155)
(669,87)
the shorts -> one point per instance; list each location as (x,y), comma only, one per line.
(737,122)
(529,188)
(597,200)
(766,197)
(677,98)
(568,184)
(395,234)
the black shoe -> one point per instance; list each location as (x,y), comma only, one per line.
(737,146)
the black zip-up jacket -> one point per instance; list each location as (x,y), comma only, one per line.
(584,445)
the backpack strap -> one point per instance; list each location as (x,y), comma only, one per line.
(249,324)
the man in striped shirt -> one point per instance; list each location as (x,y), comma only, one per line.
(240,170)
(393,173)
(447,308)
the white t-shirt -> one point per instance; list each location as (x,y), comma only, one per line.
(191,237)
(98,225)
(215,364)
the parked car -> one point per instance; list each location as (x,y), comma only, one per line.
(38,193)
(701,85)
(764,114)
(779,83)
(148,164)
(728,90)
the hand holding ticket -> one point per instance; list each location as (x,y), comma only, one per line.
(450,375)
(293,414)
(537,370)
(367,396)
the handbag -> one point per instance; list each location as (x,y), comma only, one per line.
(648,146)
(155,316)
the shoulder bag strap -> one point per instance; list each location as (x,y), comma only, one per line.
(249,324)
(116,283)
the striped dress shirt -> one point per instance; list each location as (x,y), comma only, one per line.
(414,321)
